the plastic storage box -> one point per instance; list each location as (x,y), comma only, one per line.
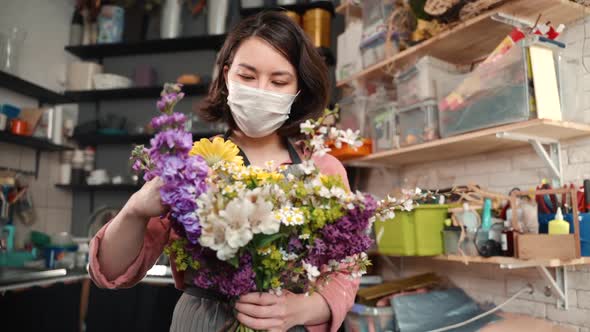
(498,92)
(451,236)
(374,49)
(375,15)
(414,233)
(383,128)
(429,78)
(353,114)
(418,123)
(369,319)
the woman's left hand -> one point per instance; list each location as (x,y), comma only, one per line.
(264,311)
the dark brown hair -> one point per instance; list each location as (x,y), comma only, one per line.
(290,40)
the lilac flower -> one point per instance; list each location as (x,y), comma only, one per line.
(345,237)
(224,278)
(294,244)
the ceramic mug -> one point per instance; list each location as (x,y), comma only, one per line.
(18,127)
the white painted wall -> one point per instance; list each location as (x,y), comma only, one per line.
(500,172)
(43,62)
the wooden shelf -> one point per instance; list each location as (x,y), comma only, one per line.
(511,262)
(172,45)
(298,8)
(481,141)
(475,38)
(102,139)
(349,9)
(102,187)
(31,142)
(131,93)
(26,88)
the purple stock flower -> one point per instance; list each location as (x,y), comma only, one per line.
(175,120)
(346,237)
(224,278)
(161,105)
(137,165)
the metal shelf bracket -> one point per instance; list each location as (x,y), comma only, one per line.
(552,159)
(557,285)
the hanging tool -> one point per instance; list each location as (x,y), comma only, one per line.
(547,203)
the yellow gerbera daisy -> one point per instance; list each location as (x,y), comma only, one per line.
(216,151)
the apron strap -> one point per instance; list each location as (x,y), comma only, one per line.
(293,155)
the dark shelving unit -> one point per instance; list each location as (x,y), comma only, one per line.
(298,8)
(38,144)
(24,87)
(101,139)
(132,93)
(172,45)
(102,187)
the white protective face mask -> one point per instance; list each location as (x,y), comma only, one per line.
(258,112)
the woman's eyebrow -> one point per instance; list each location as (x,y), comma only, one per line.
(274,73)
(247,66)
(281,73)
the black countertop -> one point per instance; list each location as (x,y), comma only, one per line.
(35,278)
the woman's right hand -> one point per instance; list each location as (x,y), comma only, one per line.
(146,202)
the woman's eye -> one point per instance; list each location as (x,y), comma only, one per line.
(279,83)
(246,77)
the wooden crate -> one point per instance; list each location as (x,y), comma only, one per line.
(535,246)
(532,246)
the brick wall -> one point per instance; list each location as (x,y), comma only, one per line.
(500,172)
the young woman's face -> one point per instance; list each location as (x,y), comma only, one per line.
(257,64)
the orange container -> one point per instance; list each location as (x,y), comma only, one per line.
(316,23)
(294,16)
(19,127)
(346,152)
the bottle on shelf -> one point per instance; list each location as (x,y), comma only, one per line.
(558,226)
(77,29)
(507,240)
(486,243)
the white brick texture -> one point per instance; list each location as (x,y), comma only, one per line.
(583,299)
(53,207)
(575,316)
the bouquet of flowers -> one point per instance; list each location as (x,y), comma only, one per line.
(247,228)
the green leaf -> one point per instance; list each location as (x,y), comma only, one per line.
(234,262)
(261,240)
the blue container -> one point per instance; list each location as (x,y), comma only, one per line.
(111,23)
(544,220)
(11,111)
(54,255)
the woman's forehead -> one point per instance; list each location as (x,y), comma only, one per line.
(258,55)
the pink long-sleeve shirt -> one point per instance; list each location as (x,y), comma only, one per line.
(339,293)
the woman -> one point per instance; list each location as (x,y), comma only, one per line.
(270,80)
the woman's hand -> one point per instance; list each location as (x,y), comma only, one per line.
(263,311)
(146,202)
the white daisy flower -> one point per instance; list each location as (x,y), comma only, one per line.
(304,236)
(308,167)
(312,271)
